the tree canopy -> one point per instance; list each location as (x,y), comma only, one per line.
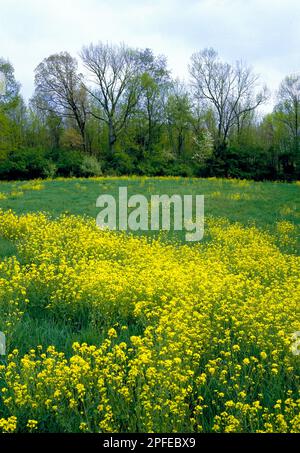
(117,109)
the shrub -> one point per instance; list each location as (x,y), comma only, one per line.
(24,164)
(50,169)
(68,162)
(90,166)
(121,163)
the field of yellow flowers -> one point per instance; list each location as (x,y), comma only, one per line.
(185,338)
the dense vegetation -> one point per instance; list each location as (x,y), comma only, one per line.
(110,332)
(126,115)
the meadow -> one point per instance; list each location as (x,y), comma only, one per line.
(116,332)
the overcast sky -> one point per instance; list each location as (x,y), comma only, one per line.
(264,33)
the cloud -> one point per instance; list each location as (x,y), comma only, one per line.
(264,33)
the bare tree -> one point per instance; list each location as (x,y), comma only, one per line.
(59,89)
(114,71)
(289,106)
(229,90)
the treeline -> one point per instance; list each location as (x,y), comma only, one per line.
(117,110)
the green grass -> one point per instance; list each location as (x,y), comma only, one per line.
(262,203)
(7,248)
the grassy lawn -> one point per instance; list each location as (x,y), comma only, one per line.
(262,203)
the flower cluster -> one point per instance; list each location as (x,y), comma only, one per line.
(195,338)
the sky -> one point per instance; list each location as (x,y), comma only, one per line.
(265,34)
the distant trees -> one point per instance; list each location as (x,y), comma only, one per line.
(60,90)
(281,128)
(228,89)
(123,113)
(288,107)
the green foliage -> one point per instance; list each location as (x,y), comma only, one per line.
(38,163)
(204,147)
(24,164)
(90,166)
(121,163)
(68,162)
(160,128)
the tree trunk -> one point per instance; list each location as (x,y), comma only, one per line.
(111,137)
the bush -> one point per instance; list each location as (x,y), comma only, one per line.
(90,166)
(24,164)
(155,163)
(242,162)
(121,163)
(184,169)
(69,162)
(35,163)
(50,169)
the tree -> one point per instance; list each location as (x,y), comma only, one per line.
(60,91)
(10,100)
(155,82)
(179,116)
(204,147)
(9,94)
(289,107)
(115,72)
(228,89)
